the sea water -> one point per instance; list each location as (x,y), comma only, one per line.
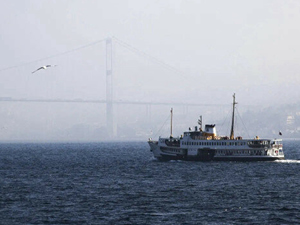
(121,183)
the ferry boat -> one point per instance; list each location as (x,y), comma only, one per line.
(206,145)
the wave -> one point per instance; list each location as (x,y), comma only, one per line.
(153,159)
(175,161)
(288,161)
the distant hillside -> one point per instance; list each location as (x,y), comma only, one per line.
(270,120)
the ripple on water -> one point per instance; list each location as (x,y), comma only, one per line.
(121,183)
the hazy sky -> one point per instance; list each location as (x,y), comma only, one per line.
(251,48)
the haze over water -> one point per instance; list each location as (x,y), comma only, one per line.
(163,51)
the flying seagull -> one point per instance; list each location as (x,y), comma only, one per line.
(43,68)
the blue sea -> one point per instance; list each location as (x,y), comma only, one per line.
(121,183)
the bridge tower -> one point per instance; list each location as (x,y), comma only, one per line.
(110,123)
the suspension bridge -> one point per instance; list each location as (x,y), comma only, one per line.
(110,100)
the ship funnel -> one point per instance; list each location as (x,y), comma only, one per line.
(211,129)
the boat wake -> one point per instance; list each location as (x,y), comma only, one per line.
(153,159)
(288,161)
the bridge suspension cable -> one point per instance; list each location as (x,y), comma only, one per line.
(56,55)
(147,56)
(118,41)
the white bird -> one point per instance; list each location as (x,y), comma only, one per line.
(43,68)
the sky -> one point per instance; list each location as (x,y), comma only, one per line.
(207,50)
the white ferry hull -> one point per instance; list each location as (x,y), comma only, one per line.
(164,153)
(249,158)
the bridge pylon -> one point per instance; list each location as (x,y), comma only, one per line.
(110,118)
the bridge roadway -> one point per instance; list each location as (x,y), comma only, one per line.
(8,99)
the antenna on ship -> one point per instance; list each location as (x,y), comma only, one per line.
(200,123)
(232,123)
(171,134)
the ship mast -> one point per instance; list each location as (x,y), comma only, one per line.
(171,135)
(232,123)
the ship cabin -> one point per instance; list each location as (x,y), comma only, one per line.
(209,133)
(209,137)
